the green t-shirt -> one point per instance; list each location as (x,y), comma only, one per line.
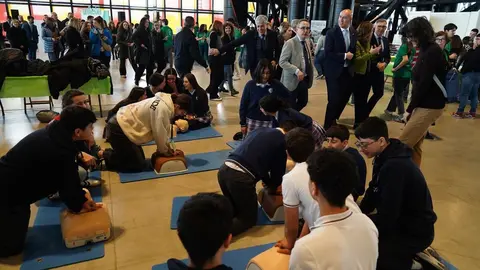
(195,30)
(167,32)
(448,47)
(237,34)
(202,35)
(406,70)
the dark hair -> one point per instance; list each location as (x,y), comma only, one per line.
(193,81)
(100,20)
(324,31)
(67,98)
(203,28)
(89,17)
(456,42)
(142,24)
(263,64)
(334,174)
(364,30)
(147,16)
(9,17)
(165,21)
(372,128)
(441,34)
(466,40)
(204,223)
(300,144)
(189,22)
(450,26)
(272,103)
(156,79)
(288,125)
(421,30)
(338,131)
(217,27)
(170,71)
(182,100)
(29,17)
(73,117)
(135,94)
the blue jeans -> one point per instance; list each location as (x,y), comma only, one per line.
(32,53)
(52,56)
(469,90)
(228,73)
(203,50)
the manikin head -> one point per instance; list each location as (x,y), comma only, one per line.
(372,137)
(337,137)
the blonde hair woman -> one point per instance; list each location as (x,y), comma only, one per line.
(72,35)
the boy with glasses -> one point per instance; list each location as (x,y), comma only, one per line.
(399,193)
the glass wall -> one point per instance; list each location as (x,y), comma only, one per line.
(174,10)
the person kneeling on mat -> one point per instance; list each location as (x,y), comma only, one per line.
(261,156)
(25,176)
(139,123)
(204,228)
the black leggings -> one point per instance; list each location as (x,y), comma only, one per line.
(123,67)
(13,228)
(141,68)
(125,155)
(239,188)
(216,77)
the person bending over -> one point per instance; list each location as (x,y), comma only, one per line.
(199,115)
(262,84)
(25,176)
(340,238)
(157,83)
(337,138)
(399,193)
(281,111)
(204,228)
(261,156)
(139,123)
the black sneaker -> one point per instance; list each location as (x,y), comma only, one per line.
(234,92)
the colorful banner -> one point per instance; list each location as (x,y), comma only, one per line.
(96,12)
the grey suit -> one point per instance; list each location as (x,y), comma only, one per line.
(290,61)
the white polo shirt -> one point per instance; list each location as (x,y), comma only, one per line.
(346,241)
(296,193)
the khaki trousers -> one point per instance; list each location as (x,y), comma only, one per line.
(416,128)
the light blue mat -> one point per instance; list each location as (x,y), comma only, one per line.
(195,163)
(178,202)
(45,248)
(234,144)
(236,259)
(191,135)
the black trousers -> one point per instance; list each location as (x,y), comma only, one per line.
(397,252)
(339,91)
(13,229)
(239,188)
(103,59)
(216,77)
(377,81)
(183,69)
(299,97)
(139,72)
(125,155)
(400,86)
(123,68)
(360,94)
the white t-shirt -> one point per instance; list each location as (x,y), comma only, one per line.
(296,193)
(346,241)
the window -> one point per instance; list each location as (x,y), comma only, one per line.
(218,5)
(137,15)
(62,12)
(22,10)
(139,3)
(172,4)
(174,21)
(97,2)
(116,16)
(77,12)
(204,19)
(3,13)
(39,11)
(80,1)
(120,2)
(218,17)
(189,4)
(205,4)
(185,14)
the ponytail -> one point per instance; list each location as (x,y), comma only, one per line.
(273,104)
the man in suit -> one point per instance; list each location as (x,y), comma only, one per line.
(339,52)
(186,49)
(7,25)
(378,64)
(32,35)
(59,47)
(261,43)
(296,62)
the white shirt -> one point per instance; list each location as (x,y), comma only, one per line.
(346,37)
(346,241)
(379,38)
(296,193)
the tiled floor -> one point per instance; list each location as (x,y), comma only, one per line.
(140,211)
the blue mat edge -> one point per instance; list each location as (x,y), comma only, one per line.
(217,135)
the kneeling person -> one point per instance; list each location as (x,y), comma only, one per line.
(140,123)
(340,238)
(261,156)
(25,177)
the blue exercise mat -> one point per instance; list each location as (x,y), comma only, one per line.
(236,259)
(45,248)
(191,135)
(234,144)
(195,163)
(178,202)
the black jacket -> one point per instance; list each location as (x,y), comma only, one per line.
(158,44)
(73,39)
(18,37)
(471,61)
(187,51)
(399,193)
(383,56)
(123,38)
(143,56)
(335,52)
(174,264)
(425,92)
(26,173)
(200,106)
(272,51)
(229,57)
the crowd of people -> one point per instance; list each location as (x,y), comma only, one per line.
(392,222)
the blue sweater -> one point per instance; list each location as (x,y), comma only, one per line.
(263,155)
(300,119)
(362,171)
(252,93)
(96,43)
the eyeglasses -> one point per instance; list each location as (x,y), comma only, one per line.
(381,26)
(363,145)
(440,39)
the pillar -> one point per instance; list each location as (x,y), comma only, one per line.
(228,11)
(296,9)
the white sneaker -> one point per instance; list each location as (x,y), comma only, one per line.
(216,99)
